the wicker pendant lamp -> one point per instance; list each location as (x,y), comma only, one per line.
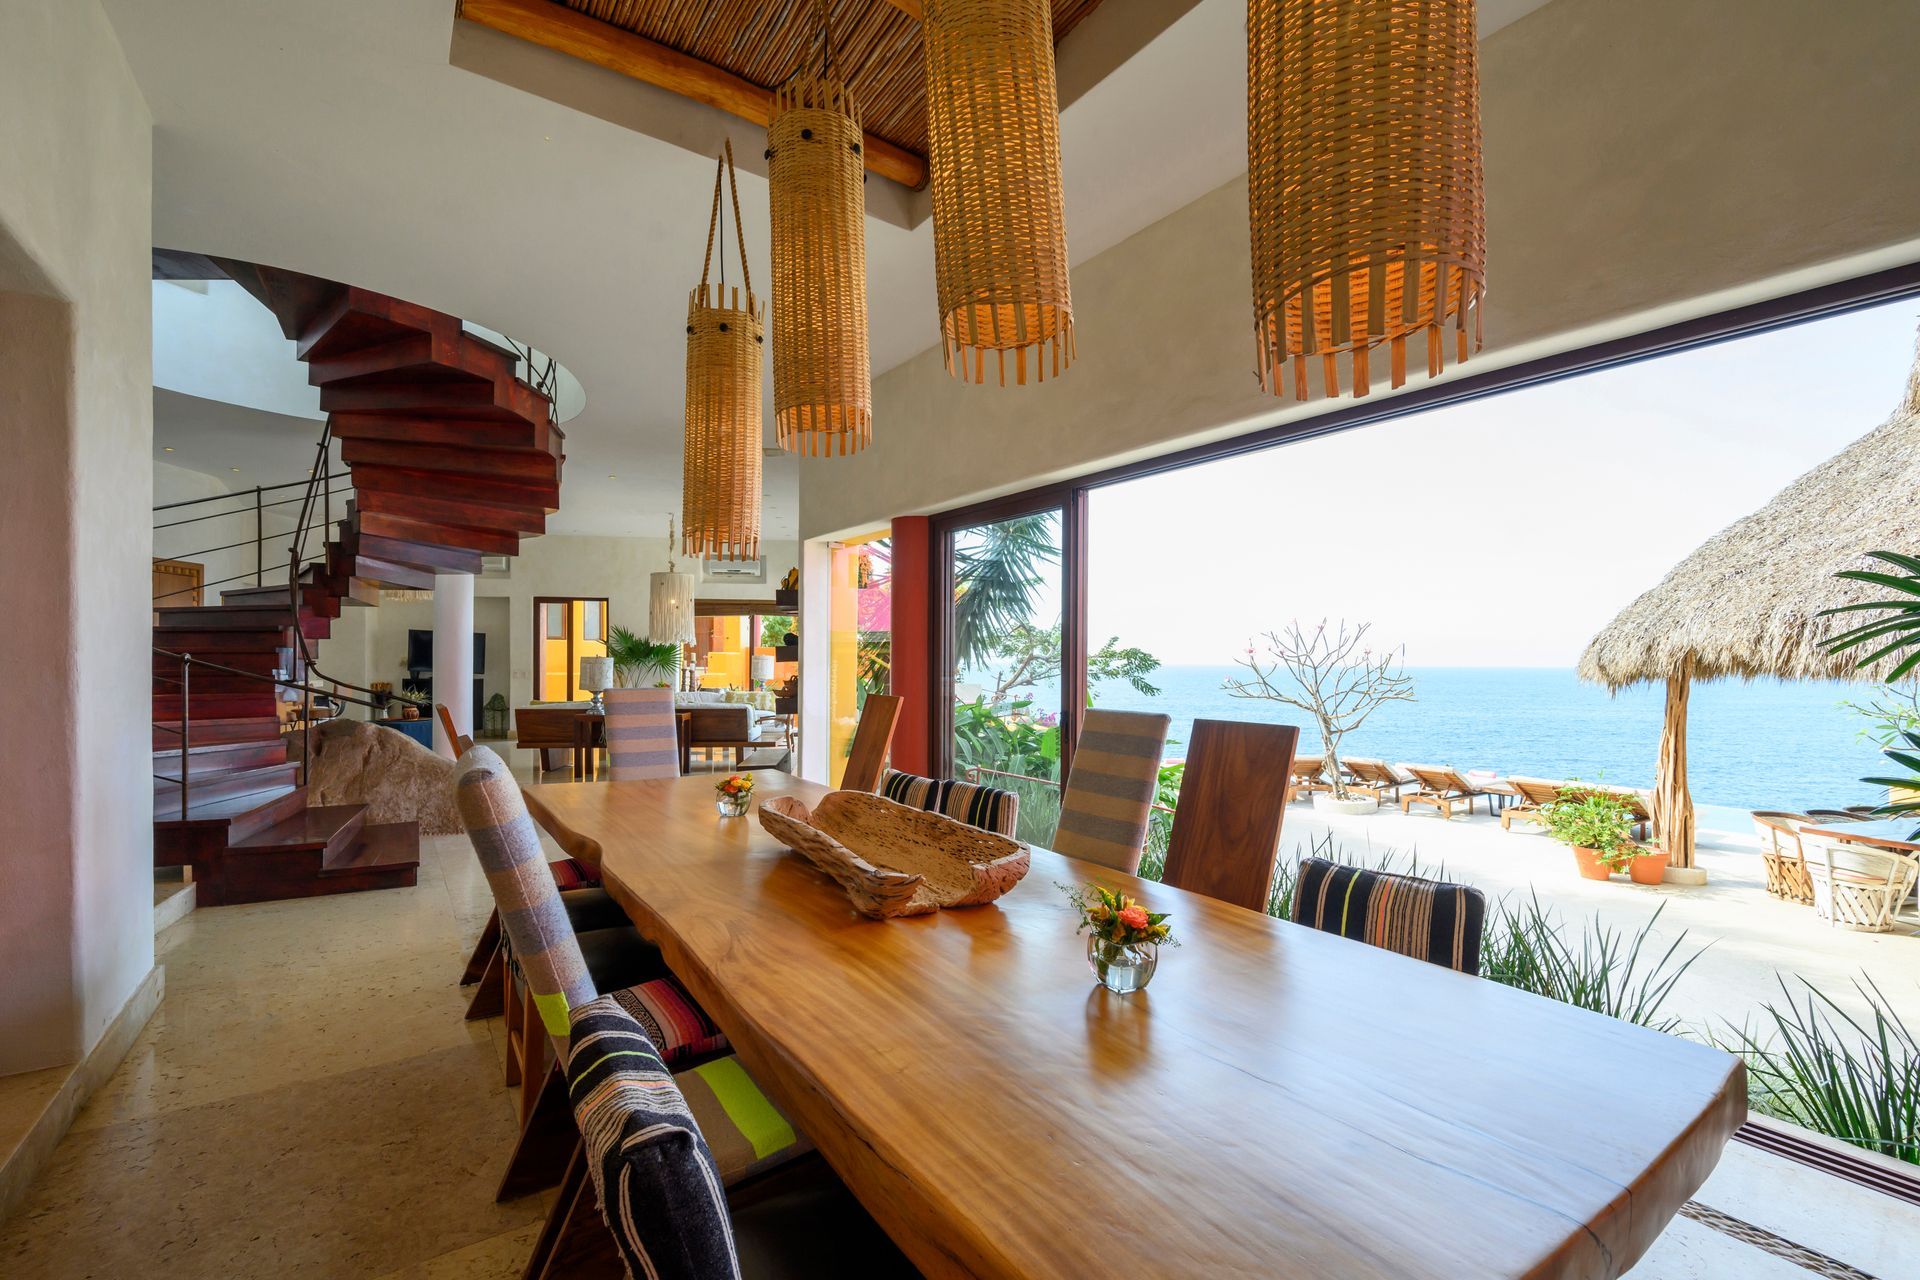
(670,601)
(999,236)
(822,378)
(721,476)
(1364,185)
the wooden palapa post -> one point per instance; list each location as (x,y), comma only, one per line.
(1672,802)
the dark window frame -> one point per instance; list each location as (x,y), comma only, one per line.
(1071,497)
(541,640)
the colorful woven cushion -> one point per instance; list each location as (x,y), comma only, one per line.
(524,891)
(989,808)
(1426,919)
(641,741)
(747,1133)
(571,873)
(671,1019)
(1109,795)
(659,1184)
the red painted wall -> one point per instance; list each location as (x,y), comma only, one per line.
(912,644)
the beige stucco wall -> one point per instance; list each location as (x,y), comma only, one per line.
(1646,160)
(370,644)
(76,916)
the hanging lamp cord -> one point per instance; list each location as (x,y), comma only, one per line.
(723,167)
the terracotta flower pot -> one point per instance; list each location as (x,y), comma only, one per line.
(1648,867)
(1590,863)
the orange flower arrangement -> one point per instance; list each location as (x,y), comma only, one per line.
(1114,917)
(735,787)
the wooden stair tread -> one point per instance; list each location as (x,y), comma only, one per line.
(382,846)
(230,807)
(311,828)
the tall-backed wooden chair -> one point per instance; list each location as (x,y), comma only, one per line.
(1426,919)
(867,758)
(989,808)
(642,735)
(1233,798)
(1108,800)
(459,740)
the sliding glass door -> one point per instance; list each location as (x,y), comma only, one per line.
(1006,664)
(565,630)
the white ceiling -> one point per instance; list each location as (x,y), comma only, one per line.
(337,140)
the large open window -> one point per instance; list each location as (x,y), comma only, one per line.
(565,630)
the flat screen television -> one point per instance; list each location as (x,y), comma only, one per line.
(420,651)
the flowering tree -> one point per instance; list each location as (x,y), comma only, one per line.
(1333,676)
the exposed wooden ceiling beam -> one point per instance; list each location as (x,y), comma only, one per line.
(566,31)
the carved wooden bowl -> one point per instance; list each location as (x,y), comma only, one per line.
(893,860)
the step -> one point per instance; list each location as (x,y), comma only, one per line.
(468,398)
(437,558)
(220,732)
(222,617)
(214,644)
(263,662)
(212,680)
(384,845)
(378,524)
(270,596)
(332,828)
(522,466)
(452,511)
(543,496)
(259,783)
(215,705)
(420,428)
(219,756)
(408,351)
(244,814)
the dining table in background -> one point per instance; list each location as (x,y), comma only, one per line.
(1279,1102)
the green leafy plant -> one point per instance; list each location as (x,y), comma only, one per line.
(638,661)
(1603,969)
(1590,818)
(998,570)
(1903,790)
(774,630)
(1820,1066)
(1899,627)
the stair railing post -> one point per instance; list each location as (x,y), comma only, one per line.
(259,538)
(186,694)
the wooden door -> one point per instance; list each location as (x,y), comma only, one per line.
(176,583)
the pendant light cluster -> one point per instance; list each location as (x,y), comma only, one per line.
(721,475)
(999,235)
(1364,186)
(816,170)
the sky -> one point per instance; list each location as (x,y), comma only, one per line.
(1504,532)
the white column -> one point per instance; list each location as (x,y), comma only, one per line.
(453,654)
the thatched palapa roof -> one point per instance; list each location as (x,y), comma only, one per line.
(1747,602)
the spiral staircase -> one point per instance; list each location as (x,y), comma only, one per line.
(451,457)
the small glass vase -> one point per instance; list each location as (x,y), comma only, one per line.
(733,807)
(1122,967)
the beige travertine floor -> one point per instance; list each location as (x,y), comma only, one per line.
(308,1103)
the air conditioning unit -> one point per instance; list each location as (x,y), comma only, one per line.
(741,571)
(496,566)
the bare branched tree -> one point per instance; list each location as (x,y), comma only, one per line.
(1333,676)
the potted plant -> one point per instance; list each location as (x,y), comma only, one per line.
(1336,678)
(639,663)
(1597,825)
(1647,864)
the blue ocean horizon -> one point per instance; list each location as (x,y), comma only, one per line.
(1767,744)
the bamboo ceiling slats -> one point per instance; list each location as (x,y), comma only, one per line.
(876,47)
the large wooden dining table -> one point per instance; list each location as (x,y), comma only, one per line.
(1279,1102)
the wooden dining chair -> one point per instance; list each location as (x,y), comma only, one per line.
(642,735)
(989,808)
(1233,797)
(1426,919)
(639,1196)
(459,740)
(871,742)
(1108,800)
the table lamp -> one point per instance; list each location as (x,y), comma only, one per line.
(596,676)
(762,669)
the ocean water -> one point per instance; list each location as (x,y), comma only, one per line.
(1764,745)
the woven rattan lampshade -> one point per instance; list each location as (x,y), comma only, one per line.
(822,378)
(670,601)
(1364,185)
(720,493)
(999,236)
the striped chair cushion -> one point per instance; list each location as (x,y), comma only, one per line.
(671,1019)
(989,808)
(571,873)
(660,1187)
(641,741)
(524,890)
(1109,793)
(1426,919)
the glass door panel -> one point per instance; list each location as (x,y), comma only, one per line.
(860,618)
(1007,653)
